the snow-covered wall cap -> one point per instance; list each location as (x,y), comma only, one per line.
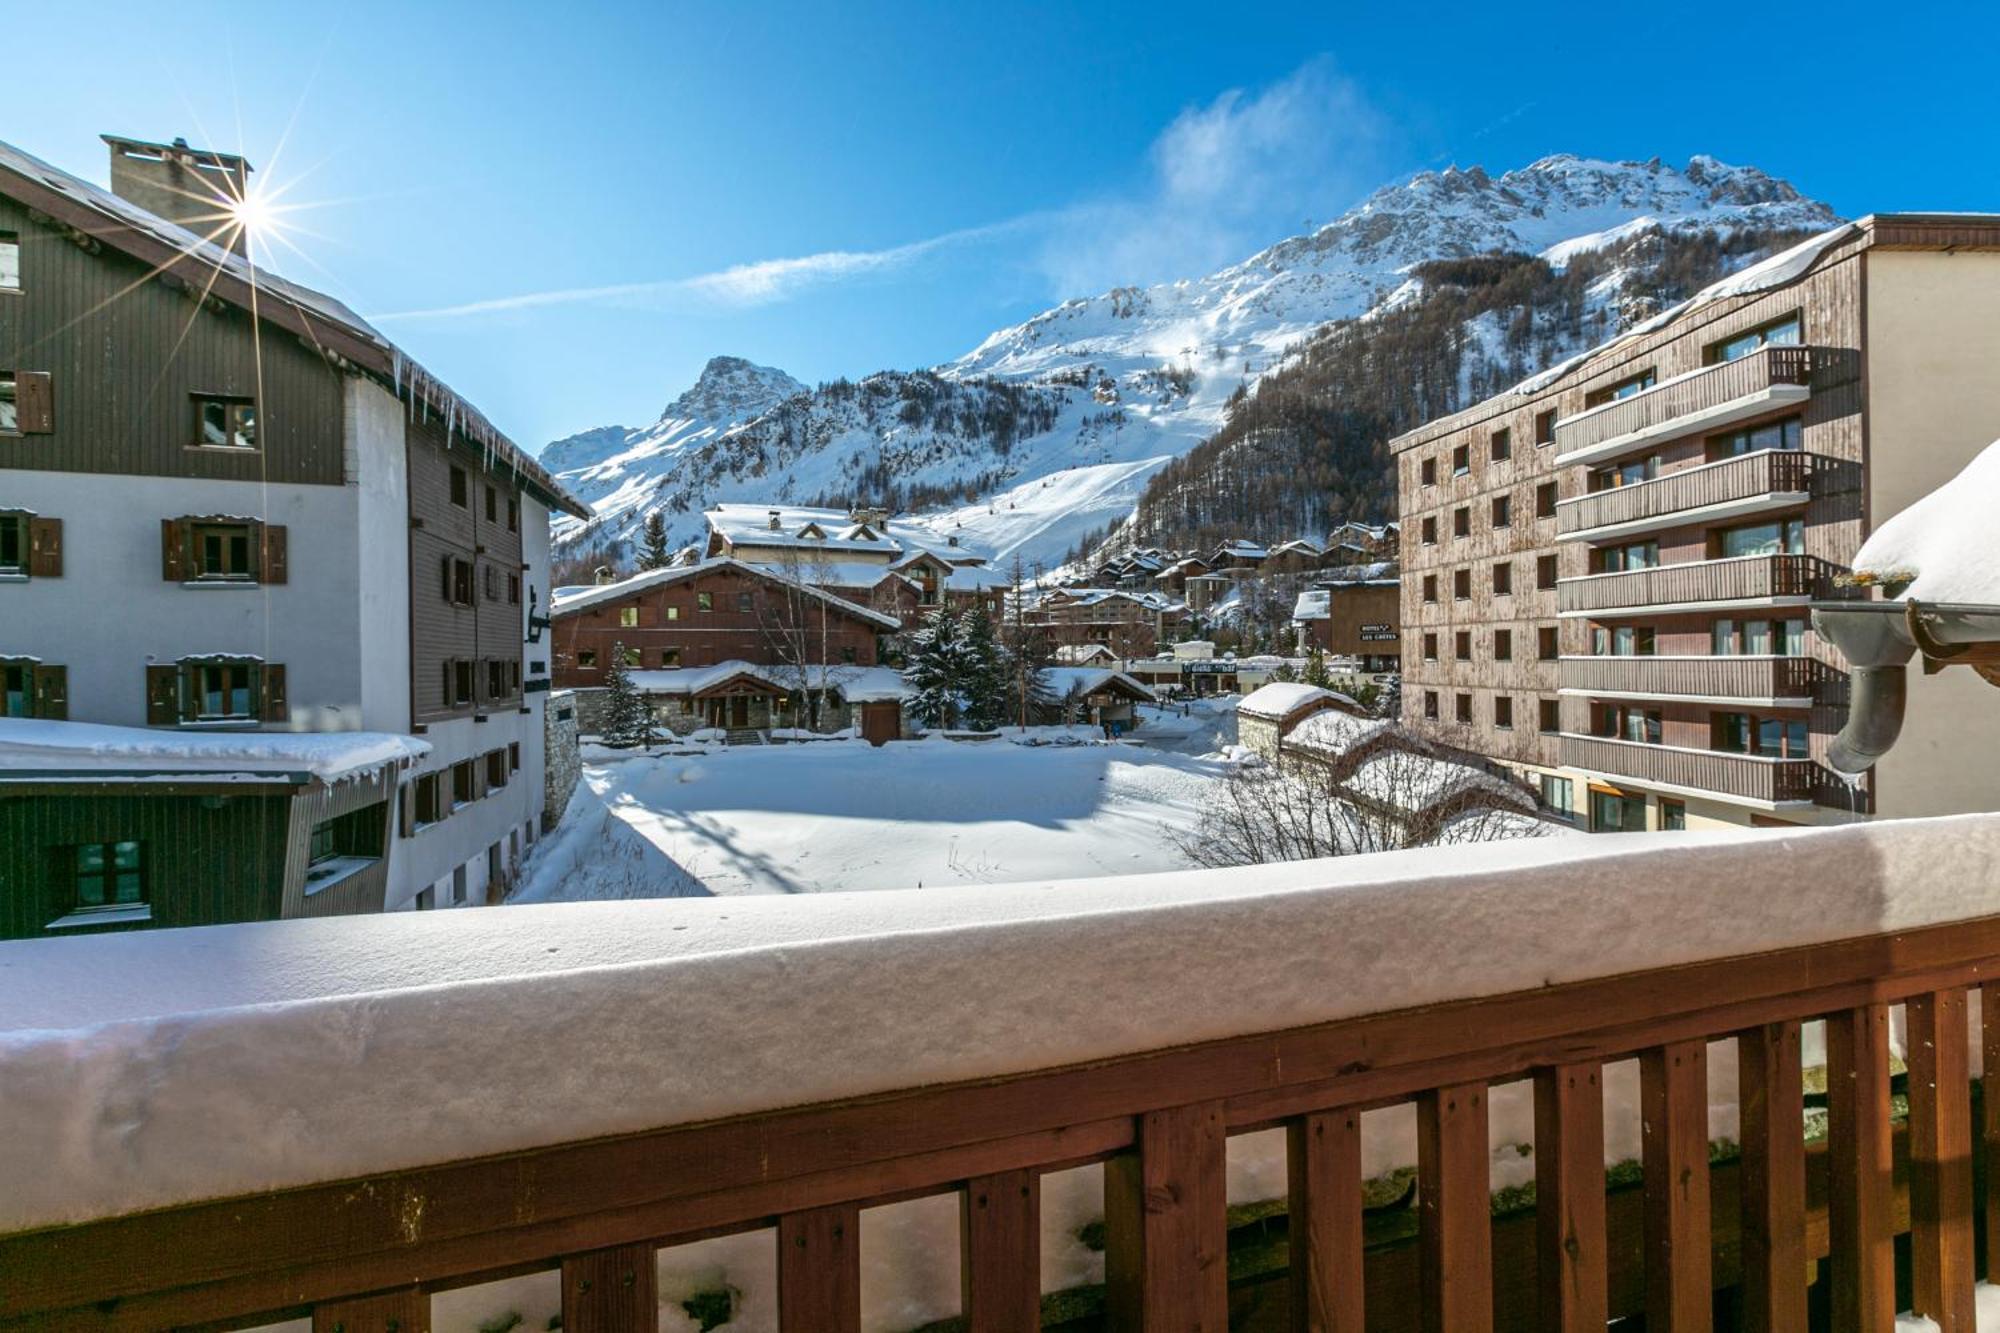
(31,746)
(161,1067)
(1942,548)
(653,578)
(1281,698)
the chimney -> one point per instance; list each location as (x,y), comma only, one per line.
(604,576)
(776,522)
(192,187)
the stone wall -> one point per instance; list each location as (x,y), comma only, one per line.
(564,763)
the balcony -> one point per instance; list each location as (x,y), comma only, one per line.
(1775,682)
(1741,582)
(1762,482)
(1742,777)
(1701,400)
(429,1081)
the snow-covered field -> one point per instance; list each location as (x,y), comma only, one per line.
(842,815)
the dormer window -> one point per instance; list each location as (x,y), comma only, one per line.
(225,423)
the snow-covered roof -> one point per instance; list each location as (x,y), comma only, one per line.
(1082,652)
(857,684)
(1411,781)
(1943,547)
(1282,698)
(654,578)
(860,574)
(1333,733)
(128,227)
(1299,546)
(34,749)
(1374,573)
(1065,680)
(1311,605)
(154,1068)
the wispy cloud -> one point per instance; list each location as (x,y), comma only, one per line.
(1220,180)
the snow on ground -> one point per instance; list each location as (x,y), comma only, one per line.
(844,815)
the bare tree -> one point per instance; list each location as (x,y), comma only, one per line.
(796,621)
(1028,651)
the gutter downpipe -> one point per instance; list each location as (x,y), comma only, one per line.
(1878,639)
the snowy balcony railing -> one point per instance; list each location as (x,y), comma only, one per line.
(1755,483)
(1773,681)
(1698,584)
(1703,399)
(355,1118)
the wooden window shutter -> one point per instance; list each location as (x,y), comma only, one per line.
(174,550)
(45,548)
(52,693)
(273,680)
(406,809)
(271,568)
(34,402)
(163,696)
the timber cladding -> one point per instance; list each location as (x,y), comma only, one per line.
(723,614)
(127,354)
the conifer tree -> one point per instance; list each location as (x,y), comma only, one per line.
(1316,672)
(987,673)
(628,721)
(653,552)
(935,670)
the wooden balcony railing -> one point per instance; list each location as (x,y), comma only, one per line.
(1695,582)
(1747,776)
(1770,472)
(1700,395)
(1694,677)
(364,1255)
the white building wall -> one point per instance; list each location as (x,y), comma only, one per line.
(373,435)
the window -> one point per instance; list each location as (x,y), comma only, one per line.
(1625,474)
(1545,500)
(1783,537)
(1461,584)
(10,261)
(225,423)
(1503,579)
(1503,645)
(13,544)
(1502,446)
(458,492)
(1546,570)
(1430,587)
(673,613)
(1545,643)
(1615,812)
(1673,814)
(109,876)
(1503,712)
(461,682)
(1545,427)
(1462,709)
(10,419)
(1462,645)
(1626,723)
(1461,460)
(743,603)
(17,689)
(1431,705)
(492,504)
(1428,471)
(1430,530)
(222,550)
(1785,434)
(1769,737)
(630,656)
(428,800)
(1624,388)
(224,691)
(1632,555)
(1785,332)
(1550,720)
(1461,521)
(1558,794)
(1430,647)
(496,679)
(513,589)
(496,769)
(458,581)
(670,657)
(464,784)
(1503,511)
(586,657)
(704,601)
(848,656)
(513,514)
(1624,641)
(492,583)
(628,617)
(514,757)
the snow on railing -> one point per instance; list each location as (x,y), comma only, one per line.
(1131,1020)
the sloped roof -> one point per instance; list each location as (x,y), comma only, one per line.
(1064,680)
(324,321)
(655,578)
(1282,698)
(857,684)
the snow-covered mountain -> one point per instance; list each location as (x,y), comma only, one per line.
(1051,428)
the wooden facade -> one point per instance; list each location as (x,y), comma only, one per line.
(1363,620)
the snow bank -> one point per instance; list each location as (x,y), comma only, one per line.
(33,745)
(159,1067)
(1942,547)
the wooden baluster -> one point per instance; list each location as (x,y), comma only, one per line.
(1000,1257)
(1771,1088)
(1940,1160)
(404,1311)
(1673,1099)
(1166,1218)
(1861,1199)
(1323,1155)
(819,1270)
(1989,1101)
(1454,1211)
(611,1291)
(1569,1198)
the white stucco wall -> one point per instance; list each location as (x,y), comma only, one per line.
(373,435)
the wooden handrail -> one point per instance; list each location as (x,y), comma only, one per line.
(598,1209)
(1684,395)
(1768,472)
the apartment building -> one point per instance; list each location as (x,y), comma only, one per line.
(229,507)
(1609,571)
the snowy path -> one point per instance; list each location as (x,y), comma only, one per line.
(843,816)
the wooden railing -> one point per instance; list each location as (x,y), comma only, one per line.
(1742,578)
(1701,770)
(364,1256)
(1771,472)
(1701,391)
(1714,677)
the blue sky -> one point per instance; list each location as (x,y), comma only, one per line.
(839,189)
